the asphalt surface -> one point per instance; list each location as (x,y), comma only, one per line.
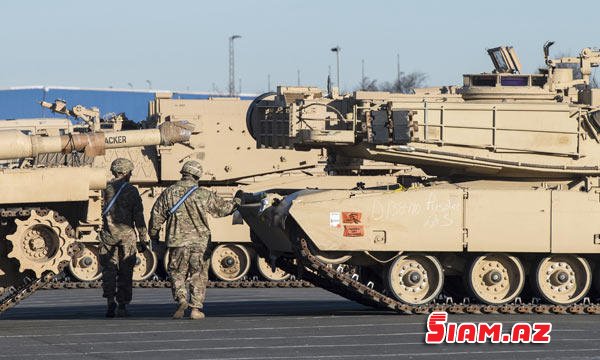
(258,324)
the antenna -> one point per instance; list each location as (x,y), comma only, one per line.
(362,63)
(269,82)
(232,65)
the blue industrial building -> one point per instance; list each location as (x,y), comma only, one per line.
(23,102)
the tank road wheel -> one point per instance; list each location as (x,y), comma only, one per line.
(264,269)
(230,262)
(496,278)
(145,265)
(41,243)
(563,279)
(86,267)
(415,279)
(328,257)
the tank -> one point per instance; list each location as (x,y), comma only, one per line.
(506,220)
(45,210)
(231,162)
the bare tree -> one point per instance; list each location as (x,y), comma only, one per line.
(404,84)
(367,84)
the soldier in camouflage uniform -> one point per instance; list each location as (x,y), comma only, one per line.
(188,235)
(122,215)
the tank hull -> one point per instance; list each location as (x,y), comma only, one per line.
(445,218)
(457,225)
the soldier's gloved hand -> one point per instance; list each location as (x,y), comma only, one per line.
(143,242)
(154,240)
(237,198)
(237,202)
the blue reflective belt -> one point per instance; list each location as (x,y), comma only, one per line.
(180,202)
(113,200)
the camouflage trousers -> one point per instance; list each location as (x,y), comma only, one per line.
(117,271)
(188,266)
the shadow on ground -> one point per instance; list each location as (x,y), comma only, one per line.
(214,309)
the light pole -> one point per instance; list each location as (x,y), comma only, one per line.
(398,68)
(232,65)
(337,50)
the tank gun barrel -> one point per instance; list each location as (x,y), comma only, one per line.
(18,145)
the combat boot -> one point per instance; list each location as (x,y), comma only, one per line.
(196,314)
(110,308)
(180,312)
(122,311)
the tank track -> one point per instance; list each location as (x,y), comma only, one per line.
(312,272)
(157,283)
(347,285)
(16,295)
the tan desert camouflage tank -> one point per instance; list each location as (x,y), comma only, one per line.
(508,221)
(44,211)
(231,162)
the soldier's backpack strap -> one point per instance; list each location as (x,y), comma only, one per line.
(113,200)
(183,198)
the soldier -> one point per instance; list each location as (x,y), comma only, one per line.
(122,215)
(185,206)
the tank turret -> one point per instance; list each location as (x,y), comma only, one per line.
(499,124)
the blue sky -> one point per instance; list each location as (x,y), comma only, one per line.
(180,44)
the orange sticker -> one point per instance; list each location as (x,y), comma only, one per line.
(351,217)
(354,230)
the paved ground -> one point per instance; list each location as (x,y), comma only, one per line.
(256,324)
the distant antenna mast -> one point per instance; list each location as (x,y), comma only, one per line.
(269,82)
(362,63)
(337,50)
(298,77)
(232,65)
(398,67)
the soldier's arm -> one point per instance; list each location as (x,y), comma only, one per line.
(219,207)
(138,214)
(158,215)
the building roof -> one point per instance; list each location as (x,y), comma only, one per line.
(23,101)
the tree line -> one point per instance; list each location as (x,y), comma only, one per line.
(404,83)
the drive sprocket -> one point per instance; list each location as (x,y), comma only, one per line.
(41,242)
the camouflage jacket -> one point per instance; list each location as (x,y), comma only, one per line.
(188,226)
(125,216)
